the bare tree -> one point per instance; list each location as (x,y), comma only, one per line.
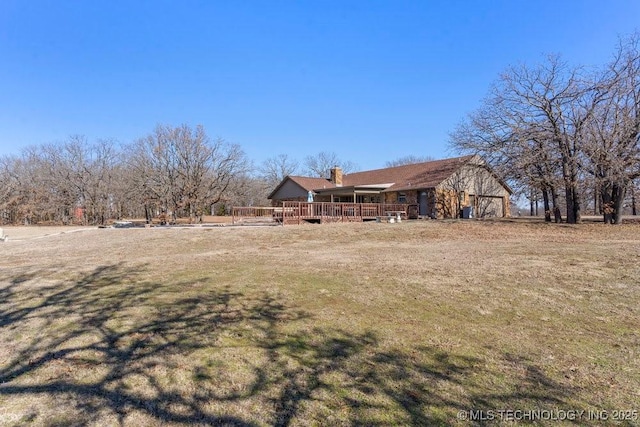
(176,170)
(245,190)
(181,170)
(536,164)
(79,178)
(613,141)
(101,181)
(537,116)
(408,160)
(554,104)
(320,164)
(274,169)
(29,190)
(12,189)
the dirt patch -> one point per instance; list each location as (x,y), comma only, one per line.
(37,232)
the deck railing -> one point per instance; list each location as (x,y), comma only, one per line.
(255,213)
(298,212)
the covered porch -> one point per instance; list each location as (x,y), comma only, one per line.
(352,194)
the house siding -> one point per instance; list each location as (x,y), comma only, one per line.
(490,197)
(411,197)
(289,191)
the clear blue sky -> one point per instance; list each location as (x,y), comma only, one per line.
(369,80)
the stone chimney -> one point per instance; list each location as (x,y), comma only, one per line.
(336,176)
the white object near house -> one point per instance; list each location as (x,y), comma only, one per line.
(2,236)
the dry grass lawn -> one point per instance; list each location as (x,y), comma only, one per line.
(344,324)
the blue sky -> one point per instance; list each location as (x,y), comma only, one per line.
(368,80)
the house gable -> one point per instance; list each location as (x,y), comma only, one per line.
(473,185)
(476,178)
(297,187)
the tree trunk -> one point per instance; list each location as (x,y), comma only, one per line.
(192,212)
(572,197)
(613,200)
(607,205)
(618,194)
(571,218)
(596,198)
(547,209)
(556,206)
(531,203)
(147,213)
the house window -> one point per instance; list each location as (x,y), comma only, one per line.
(402,198)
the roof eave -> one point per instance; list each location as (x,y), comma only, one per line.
(409,188)
(365,188)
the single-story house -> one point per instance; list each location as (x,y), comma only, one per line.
(436,189)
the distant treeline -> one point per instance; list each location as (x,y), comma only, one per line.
(174,172)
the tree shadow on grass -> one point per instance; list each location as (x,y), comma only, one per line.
(112,347)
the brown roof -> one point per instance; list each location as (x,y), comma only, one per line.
(417,175)
(309,183)
(406,177)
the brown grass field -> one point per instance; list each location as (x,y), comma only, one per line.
(418,323)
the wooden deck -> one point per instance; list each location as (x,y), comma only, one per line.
(318,212)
